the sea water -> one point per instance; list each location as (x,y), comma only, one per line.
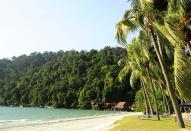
(15,116)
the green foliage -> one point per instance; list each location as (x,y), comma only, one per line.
(68,79)
(182,70)
(165,26)
(140,100)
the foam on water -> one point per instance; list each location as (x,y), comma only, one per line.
(15,116)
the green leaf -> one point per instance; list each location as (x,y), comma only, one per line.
(182,71)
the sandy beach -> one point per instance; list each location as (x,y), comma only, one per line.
(102,123)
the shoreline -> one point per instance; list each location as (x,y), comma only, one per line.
(39,122)
(102,122)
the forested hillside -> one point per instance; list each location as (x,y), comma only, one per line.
(68,79)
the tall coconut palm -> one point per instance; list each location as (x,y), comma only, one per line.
(130,66)
(158,78)
(144,16)
(144,44)
(139,62)
(147,96)
(145,100)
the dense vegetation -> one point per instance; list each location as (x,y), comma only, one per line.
(68,79)
(159,55)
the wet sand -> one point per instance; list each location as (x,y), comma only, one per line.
(102,123)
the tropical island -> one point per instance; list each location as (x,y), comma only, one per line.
(143,85)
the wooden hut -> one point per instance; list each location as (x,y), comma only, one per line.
(120,106)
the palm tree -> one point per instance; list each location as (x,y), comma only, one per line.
(144,16)
(177,30)
(130,65)
(145,99)
(139,62)
(147,95)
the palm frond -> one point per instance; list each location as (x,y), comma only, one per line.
(168,34)
(182,73)
(123,28)
(135,75)
(123,73)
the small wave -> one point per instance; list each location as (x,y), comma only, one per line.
(20,122)
(23,122)
(13,121)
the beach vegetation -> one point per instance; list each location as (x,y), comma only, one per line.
(159,54)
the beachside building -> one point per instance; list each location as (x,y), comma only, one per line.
(120,106)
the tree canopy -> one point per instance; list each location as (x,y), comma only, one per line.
(166,24)
(69,79)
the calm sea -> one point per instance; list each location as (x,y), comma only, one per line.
(14,116)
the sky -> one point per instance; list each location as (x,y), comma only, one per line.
(27,26)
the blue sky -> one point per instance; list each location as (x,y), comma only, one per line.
(51,25)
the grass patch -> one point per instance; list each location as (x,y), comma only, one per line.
(133,123)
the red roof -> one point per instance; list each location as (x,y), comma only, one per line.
(121,104)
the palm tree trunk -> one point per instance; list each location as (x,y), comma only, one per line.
(145,100)
(167,80)
(148,98)
(154,93)
(164,96)
(165,102)
(168,105)
(164,99)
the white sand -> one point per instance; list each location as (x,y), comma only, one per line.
(103,123)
